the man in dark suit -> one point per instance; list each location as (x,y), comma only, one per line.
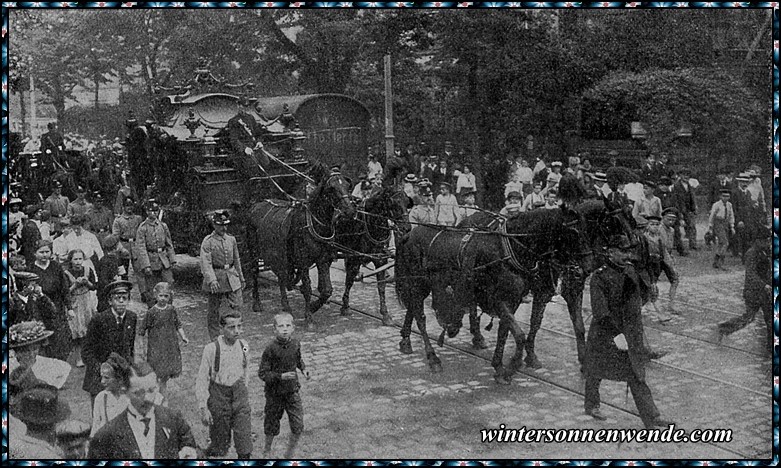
(649,171)
(683,194)
(144,430)
(138,157)
(111,330)
(244,134)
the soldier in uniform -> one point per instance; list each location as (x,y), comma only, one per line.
(244,134)
(80,206)
(57,206)
(102,219)
(221,269)
(125,228)
(614,347)
(154,252)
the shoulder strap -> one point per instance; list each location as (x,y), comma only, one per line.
(243,352)
(216,366)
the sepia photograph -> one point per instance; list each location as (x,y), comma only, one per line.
(449,233)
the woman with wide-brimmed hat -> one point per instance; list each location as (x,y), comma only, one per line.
(25,339)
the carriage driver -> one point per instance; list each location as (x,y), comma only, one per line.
(221,269)
(244,134)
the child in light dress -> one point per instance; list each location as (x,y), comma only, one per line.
(163,330)
(81,304)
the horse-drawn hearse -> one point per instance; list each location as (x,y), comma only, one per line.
(290,211)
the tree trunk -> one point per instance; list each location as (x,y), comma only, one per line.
(23,108)
(58,100)
(97,90)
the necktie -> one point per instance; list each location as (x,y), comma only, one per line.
(146,425)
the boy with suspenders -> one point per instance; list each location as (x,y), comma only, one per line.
(221,390)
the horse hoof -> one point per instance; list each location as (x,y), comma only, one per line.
(387,320)
(533,362)
(502,379)
(345,312)
(405,346)
(441,340)
(479,343)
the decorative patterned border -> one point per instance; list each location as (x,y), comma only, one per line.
(776,187)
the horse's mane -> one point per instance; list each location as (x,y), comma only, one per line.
(318,172)
(535,220)
(590,208)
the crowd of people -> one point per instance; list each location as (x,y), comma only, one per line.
(71,262)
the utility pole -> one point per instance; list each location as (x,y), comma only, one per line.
(388,110)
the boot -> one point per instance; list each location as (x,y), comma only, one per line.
(716,262)
(291,445)
(267,447)
(671,305)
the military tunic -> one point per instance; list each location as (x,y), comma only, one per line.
(81,208)
(101,222)
(57,206)
(125,227)
(220,263)
(154,249)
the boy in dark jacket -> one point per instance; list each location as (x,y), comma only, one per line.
(277,369)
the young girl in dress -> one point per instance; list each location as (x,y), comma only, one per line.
(82,279)
(115,376)
(162,326)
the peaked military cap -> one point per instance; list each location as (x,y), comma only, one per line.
(671,211)
(221,218)
(119,287)
(25,277)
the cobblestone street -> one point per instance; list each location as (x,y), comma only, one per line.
(367,400)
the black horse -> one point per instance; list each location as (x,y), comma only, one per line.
(492,267)
(600,221)
(365,238)
(292,236)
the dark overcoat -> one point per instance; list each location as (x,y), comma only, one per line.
(616,304)
(105,336)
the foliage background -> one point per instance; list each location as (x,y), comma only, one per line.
(484,79)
